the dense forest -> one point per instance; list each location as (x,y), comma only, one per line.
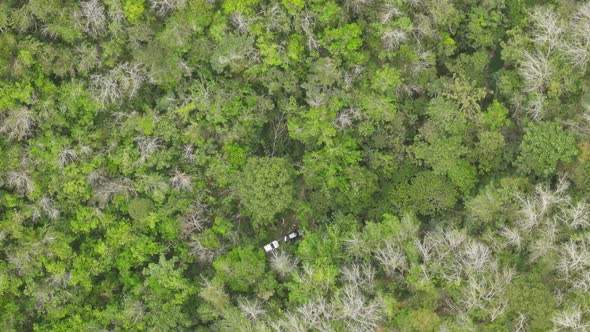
(433,156)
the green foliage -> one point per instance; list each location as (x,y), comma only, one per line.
(543,146)
(241,269)
(490,151)
(166,290)
(522,301)
(387,80)
(427,194)
(422,320)
(344,41)
(265,188)
(238,5)
(139,208)
(433,155)
(493,206)
(496,116)
(485,26)
(133,10)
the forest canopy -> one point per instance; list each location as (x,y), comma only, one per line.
(430,158)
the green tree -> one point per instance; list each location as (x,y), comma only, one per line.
(524,293)
(543,146)
(421,320)
(426,194)
(265,188)
(242,268)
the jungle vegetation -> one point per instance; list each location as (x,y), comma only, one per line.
(434,153)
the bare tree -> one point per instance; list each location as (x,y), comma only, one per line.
(443,249)
(575,216)
(535,106)
(119,82)
(189,152)
(147,147)
(316,313)
(163,7)
(575,258)
(391,258)
(204,254)
(252,309)
(346,118)
(195,220)
(131,77)
(316,99)
(476,256)
(389,11)
(359,313)
(61,280)
(548,28)
(86,150)
(512,237)
(43,297)
(570,319)
(424,61)
(106,88)
(424,26)
(357,6)
(487,291)
(18,124)
(530,217)
(391,40)
(351,75)
(48,207)
(282,263)
(536,70)
(88,57)
(582,282)
(581,124)
(21,182)
(91,17)
(521,324)
(105,190)
(181,181)
(307,25)
(359,276)
(66,156)
(21,260)
(542,244)
(536,208)
(583,14)
(240,22)
(578,51)
(290,323)
(415,3)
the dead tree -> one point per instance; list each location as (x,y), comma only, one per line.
(21,182)
(181,181)
(163,7)
(18,124)
(282,263)
(91,17)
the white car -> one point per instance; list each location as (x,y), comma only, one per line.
(292,236)
(271,246)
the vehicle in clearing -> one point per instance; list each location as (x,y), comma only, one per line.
(289,237)
(271,246)
(292,236)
